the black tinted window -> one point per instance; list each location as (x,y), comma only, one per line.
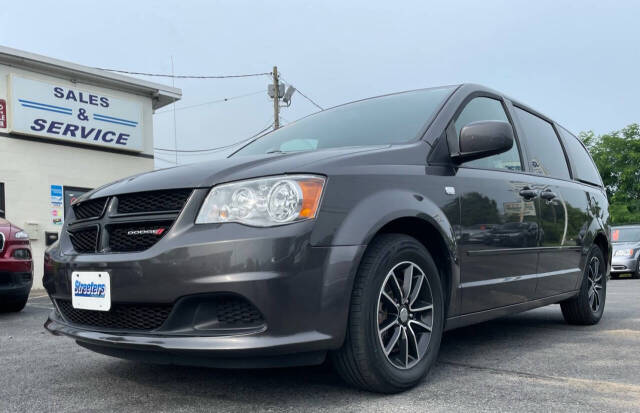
(583,167)
(384,120)
(546,156)
(480,109)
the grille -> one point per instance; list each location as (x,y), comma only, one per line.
(112,234)
(120,239)
(84,240)
(92,208)
(120,317)
(237,312)
(155,201)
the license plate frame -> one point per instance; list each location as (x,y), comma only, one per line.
(91,290)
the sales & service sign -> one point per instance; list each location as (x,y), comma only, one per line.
(75,115)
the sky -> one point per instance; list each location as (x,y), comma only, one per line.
(577,62)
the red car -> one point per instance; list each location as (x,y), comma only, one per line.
(16,267)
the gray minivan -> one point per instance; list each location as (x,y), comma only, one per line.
(360,233)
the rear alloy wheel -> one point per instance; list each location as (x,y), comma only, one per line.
(595,282)
(396,317)
(587,307)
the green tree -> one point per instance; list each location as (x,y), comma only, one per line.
(617,155)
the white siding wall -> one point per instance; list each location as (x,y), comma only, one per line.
(29,167)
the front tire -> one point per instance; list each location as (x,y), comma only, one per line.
(587,307)
(396,317)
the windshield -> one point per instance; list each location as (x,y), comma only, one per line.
(625,234)
(384,120)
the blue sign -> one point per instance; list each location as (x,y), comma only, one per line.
(56,195)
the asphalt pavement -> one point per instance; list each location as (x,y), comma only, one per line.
(527,362)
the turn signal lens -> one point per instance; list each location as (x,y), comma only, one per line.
(311,192)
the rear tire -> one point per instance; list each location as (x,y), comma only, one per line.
(13,306)
(385,306)
(587,307)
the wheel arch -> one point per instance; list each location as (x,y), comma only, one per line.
(356,219)
(602,241)
(441,247)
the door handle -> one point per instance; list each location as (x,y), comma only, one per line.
(547,195)
(528,193)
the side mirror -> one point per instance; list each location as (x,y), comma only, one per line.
(481,139)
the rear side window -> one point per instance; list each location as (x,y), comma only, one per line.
(481,109)
(583,167)
(546,156)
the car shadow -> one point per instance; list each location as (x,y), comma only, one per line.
(293,385)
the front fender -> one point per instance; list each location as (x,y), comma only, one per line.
(354,219)
(387,209)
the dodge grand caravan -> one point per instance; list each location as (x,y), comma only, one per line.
(344,235)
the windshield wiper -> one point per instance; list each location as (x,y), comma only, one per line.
(275,151)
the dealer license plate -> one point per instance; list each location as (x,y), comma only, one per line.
(91,290)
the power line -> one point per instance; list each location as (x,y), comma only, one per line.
(206,77)
(185,76)
(309,99)
(206,151)
(304,96)
(164,160)
(213,101)
(187,151)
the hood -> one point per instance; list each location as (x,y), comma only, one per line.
(5,227)
(207,174)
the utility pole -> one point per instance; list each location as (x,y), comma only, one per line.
(175,133)
(276,99)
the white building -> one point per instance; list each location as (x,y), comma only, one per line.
(65,129)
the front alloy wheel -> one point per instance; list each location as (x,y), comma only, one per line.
(405,315)
(396,317)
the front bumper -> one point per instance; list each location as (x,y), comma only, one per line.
(623,264)
(16,278)
(301,291)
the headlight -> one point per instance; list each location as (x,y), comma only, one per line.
(623,253)
(21,235)
(263,202)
